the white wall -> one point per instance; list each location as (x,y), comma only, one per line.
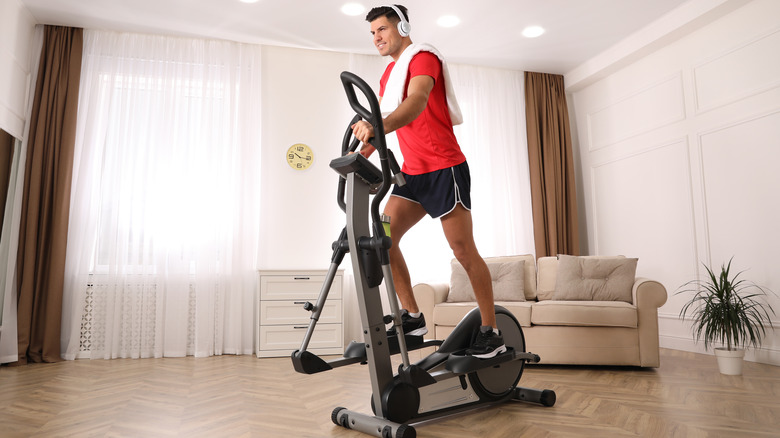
(678,160)
(16,36)
(303,102)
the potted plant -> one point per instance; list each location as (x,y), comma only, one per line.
(725,310)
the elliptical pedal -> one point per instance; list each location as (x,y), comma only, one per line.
(462,363)
(412,343)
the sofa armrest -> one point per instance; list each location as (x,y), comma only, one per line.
(648,296)
(648,292)
(427,296)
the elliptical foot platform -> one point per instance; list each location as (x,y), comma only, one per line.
(461,363)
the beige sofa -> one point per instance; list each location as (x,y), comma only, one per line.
(600,314)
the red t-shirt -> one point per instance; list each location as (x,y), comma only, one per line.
(428,143)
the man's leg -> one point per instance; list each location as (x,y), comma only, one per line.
(458,229)
(404,214)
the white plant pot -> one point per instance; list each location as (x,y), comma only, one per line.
(730,361)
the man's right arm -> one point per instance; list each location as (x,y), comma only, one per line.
(416,100)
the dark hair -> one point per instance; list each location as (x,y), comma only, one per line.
(388,12)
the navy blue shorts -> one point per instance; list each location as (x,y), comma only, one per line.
(440,191)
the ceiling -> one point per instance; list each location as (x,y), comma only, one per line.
(489,33)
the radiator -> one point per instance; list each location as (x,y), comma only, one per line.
(131,331)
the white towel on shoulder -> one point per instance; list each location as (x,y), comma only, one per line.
(394,89)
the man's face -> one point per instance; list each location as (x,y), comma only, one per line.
(387,40)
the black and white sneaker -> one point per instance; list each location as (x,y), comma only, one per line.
(487,344)
(411,326)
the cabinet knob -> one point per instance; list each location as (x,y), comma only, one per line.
(306,305)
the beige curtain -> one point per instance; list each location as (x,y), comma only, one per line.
(6,159)
(46,196)
(553,192)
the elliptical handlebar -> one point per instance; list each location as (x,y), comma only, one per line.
(374,117)
(346,148)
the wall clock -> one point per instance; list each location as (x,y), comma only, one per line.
(300,156)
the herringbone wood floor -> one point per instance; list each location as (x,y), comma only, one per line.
(242,396)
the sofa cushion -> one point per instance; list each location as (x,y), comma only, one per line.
(548,272)
(595,279)
(584,313)
(450,314)
(507,276)
(529,272)
(548,269)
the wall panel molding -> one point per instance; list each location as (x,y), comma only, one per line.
(678,153)
(728,67)
(705,197)
(680,143)
(656,105)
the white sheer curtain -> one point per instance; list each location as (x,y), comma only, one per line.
(493,138)
(163,231)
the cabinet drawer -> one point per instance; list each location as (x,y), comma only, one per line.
(278,337)
(292,312)
(296,287)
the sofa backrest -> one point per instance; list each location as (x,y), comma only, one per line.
(547,272)
(529,272)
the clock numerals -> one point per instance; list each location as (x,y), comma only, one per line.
(300,156)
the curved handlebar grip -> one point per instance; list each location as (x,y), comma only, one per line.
(346,146)
(372,115)
(351,80)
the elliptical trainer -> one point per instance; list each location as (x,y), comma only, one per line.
(446,381)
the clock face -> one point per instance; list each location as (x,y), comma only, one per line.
(300,156)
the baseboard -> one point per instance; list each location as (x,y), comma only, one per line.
(676,335)
(759,355)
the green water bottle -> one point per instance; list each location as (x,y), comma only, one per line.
(386,224)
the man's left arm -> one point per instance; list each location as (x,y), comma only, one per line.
(416,99)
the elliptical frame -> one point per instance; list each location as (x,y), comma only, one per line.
(442,383)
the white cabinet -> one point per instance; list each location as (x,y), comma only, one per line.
(282,320)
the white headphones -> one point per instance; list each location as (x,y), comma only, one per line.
(404,28)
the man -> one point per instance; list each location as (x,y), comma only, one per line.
(437,175)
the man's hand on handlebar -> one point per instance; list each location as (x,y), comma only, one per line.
(363,131)
(367,149)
